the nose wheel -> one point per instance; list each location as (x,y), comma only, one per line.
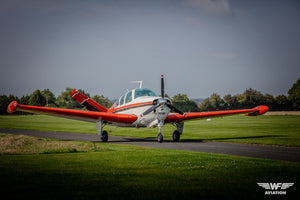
(160,137)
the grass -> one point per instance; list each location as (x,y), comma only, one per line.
(265,130)
(20,144)
(85,170)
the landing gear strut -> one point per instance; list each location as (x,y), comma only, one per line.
(160,137)
(103,134)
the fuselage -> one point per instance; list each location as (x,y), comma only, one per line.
(136,102)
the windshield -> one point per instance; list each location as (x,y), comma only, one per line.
(141,92)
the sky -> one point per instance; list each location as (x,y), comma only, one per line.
(100,46)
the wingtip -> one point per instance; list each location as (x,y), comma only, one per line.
(262,109)
(259,110)
(12,107)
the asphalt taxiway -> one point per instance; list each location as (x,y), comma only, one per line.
(237,149)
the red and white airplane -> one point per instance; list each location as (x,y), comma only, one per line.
(140,107)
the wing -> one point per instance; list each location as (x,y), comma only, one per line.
(286,185)
(89,116)
(264,185)
(198,115)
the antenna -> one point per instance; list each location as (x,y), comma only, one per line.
(140,82)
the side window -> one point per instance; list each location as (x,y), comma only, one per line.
(117,103)
(122,100)
(128,97)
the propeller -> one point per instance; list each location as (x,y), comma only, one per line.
(162,101)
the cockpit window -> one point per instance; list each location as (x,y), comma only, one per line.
(117,103)
(141,92)
(128,97)
(122,100)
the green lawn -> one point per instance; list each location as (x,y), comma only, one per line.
(50,169)
(267,130)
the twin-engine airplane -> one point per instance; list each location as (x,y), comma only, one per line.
(137,108)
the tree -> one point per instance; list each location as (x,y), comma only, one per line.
(183,103)
(104,101)
(180,98)
(4,102)
(269,101)
(253,98)
(294,95)
(205,105)
(216,102)
(49,97)
(282,103)
(65,100)
(241,100)
(37,99)
(25,100)
(231,102)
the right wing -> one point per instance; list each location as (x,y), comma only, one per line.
(82,115)
(259,110)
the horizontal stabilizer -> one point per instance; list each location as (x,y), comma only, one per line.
(90,104)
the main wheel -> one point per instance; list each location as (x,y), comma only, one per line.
(176,136)
(104,136)
(160,138)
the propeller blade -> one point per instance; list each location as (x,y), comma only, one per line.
(175,109)
(162,87)
(150,109)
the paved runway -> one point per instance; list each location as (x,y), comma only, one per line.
(248,150)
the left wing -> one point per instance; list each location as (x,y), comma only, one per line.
(188,116)
(89,116)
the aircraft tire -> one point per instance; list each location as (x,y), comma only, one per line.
(176,136)
(160,138)
(104,136)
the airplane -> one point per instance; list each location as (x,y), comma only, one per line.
(140,107)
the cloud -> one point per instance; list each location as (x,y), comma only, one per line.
(213,7)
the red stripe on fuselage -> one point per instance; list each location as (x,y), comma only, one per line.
(130,106)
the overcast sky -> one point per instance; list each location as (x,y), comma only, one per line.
(201,46)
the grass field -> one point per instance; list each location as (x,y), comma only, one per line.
(266,130)
(37,168)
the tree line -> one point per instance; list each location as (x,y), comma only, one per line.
(48,99)
(248,99)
